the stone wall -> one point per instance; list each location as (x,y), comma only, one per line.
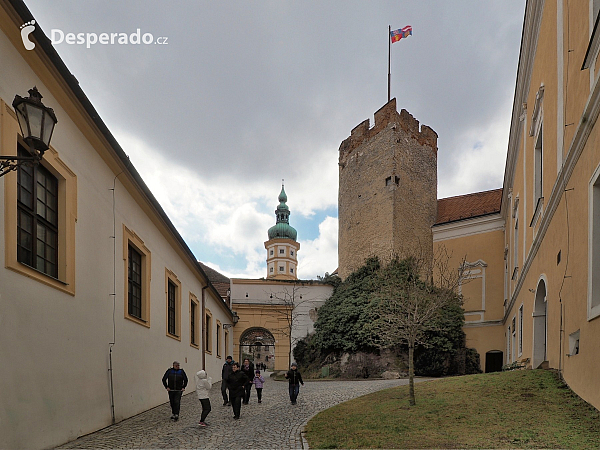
(387,189)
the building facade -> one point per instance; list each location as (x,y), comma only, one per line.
(531,249)
(277,311)
(98,291)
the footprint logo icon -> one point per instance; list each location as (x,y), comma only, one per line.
(26,29)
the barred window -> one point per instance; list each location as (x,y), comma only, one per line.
(37,218)
(134,280)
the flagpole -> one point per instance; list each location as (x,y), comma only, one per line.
(389,58)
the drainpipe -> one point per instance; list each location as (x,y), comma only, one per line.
(203,340)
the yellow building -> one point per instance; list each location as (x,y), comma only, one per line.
(532,248)
(551,196)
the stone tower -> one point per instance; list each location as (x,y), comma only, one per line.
(282,247)
(388,190)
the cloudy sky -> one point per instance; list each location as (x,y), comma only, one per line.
(245,94)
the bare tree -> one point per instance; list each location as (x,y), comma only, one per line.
(288,302)
(408,301)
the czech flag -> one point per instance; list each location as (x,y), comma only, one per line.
(396,35)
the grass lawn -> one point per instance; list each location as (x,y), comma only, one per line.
(518,409)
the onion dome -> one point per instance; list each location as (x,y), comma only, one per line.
(282,228)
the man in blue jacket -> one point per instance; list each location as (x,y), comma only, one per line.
(175,380)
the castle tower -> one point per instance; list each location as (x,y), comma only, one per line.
(282,248)
(387,200)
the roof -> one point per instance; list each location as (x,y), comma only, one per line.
(218,280)
(45,45)
(468,206)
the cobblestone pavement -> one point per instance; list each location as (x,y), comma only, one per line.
(272,424)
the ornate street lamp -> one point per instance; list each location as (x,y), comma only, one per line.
(37,124)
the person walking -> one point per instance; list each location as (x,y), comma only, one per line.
(175,380)
(225,372)
(295,379)
(203,385)
(259,382)
(236,383)
(248,369)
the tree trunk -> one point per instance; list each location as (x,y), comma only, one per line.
(411,374)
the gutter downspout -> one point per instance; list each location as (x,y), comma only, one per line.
(203,328)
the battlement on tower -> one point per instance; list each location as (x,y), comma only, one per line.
(384,117)
(387,197)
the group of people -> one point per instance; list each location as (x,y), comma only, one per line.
(236,385)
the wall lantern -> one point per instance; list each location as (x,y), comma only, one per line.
(37,124)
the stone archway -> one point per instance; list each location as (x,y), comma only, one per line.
(258,345)
(540,324)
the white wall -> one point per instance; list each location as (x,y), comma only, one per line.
(55,347)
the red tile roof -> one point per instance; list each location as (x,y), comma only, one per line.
(467,206)
(218,280)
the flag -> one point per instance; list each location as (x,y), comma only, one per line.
(396,35)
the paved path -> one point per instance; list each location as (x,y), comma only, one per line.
(272,424)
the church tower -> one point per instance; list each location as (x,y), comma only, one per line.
(282,248)
(387,200)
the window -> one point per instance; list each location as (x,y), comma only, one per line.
(270,269)
(194,328)
(538,172)
(134,283)
(291,252)
(508,354)
(514,338)
(39,236)
(226,340)
(37,218)
(281,251)
(218,341)
(393,180)
(291,270)
(208,332)
(271,252)
(173,305)
(593,302)
(516,249)
(281,269)
(137,273)
(521,330)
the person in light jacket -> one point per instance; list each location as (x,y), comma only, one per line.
(259,382)
(203,385)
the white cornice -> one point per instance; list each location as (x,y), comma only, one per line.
(467,227)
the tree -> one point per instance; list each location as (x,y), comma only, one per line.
(407,304)
(291,303)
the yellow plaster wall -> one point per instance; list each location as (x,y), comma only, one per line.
(272,319)
(488,247)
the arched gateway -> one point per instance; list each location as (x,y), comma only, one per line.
(258,345)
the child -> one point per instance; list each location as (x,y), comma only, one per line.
(203,385)
(259,382)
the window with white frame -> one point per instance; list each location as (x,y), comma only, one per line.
(514,338)
(508,354)
(538,171)
(594,245)
(521,330)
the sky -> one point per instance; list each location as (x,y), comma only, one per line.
(233,97)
